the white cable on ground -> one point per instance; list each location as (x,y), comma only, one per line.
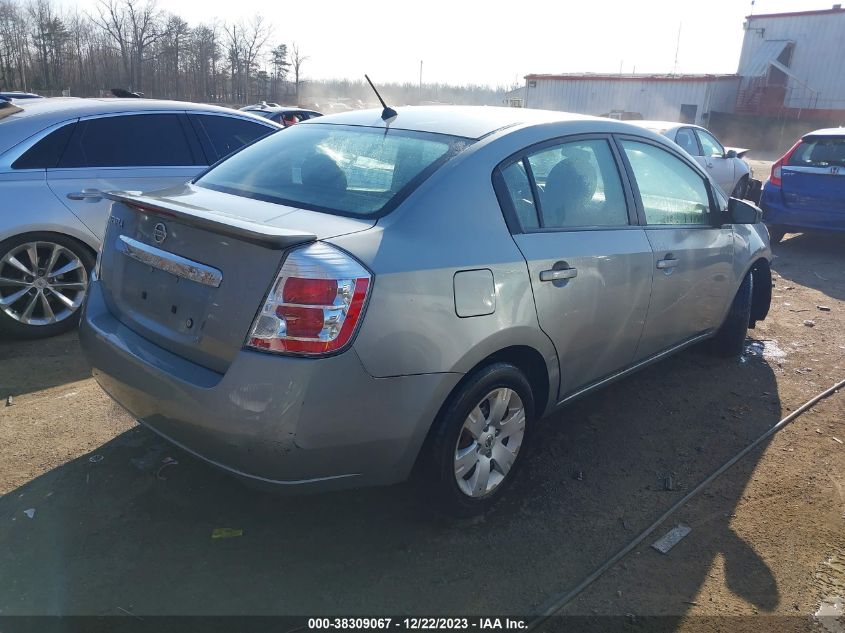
(554,604)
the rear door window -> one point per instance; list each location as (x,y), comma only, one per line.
(228,134)
(136,140)
(821,152)
(671,191)
(578,185)
(45,154)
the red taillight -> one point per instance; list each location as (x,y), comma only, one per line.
(310,291)
(315,304)
(777,167)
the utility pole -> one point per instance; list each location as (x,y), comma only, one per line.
(677,48)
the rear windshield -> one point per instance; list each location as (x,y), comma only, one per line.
(819,152)
(345,170)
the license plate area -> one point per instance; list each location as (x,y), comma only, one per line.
(163,301)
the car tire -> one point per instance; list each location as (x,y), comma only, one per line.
(776,234)
(740,189)
(729,341)
(463,467)
(34,302)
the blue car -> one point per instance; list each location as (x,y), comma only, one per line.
(806,189)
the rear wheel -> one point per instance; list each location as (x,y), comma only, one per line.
(729,341)
(478,441)
(43,281)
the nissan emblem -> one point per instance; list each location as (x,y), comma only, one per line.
(159,233)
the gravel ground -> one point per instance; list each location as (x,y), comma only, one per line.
(118,527)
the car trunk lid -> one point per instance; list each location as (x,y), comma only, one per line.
(191,279)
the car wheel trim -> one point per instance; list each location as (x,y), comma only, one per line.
(489,442)
(41,283)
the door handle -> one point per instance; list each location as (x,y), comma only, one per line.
(86,194)
(709,165)
(668,263)
(556,275)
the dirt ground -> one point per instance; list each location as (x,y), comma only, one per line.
(119,528)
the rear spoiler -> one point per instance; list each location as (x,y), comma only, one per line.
(257,233)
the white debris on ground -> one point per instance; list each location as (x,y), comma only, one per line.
(830,615)
(831,576)
(767,350)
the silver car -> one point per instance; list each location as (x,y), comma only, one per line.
(56,158)
(725,165)
(357,300)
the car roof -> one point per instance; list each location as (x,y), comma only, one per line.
(69,107)
(663,126)
(33,115)
(269,108)
(16,94)
(471,122)
(830,131)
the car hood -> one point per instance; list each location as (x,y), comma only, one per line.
(740,151)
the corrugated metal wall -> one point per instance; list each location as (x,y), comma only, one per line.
(818,57)
(653,99)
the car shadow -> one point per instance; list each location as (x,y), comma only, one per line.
(37,364)
(134,526)
(815,260)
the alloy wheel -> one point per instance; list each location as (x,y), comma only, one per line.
(41,283)
(489,442)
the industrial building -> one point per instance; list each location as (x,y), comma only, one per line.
(687,98)
(791,64)
(791,67)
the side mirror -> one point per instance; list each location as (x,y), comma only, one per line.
(744,212)
(731,153)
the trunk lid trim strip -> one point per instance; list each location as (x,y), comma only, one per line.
(169,262)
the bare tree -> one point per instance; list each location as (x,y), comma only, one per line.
(135,27)
(14,44)
(297,60)
(111,18)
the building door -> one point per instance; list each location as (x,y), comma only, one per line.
(688,113)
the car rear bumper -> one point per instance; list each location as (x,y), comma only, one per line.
(776,213)
(313,424)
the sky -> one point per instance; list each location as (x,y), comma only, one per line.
(497,42)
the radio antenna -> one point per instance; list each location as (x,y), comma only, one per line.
(388,113)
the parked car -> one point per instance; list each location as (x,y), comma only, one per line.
(724,164)
(56,158)
(283,115)
(8,96)
(354,300)
(806,189)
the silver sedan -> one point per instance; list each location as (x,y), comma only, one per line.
(725,165)
(57,156)
(371,294)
